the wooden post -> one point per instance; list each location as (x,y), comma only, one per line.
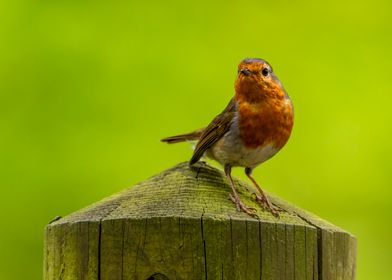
(180,224)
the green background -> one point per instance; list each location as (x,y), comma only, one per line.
(87,89)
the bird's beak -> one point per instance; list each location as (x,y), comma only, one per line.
(245,71)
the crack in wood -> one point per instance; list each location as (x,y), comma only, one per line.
(99,250)
(204,245)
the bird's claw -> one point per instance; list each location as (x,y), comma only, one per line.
(242,207)
(264,201)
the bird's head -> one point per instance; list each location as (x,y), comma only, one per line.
(257,81)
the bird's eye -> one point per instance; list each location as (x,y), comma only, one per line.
(265,72)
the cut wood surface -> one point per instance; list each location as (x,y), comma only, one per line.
(181,224)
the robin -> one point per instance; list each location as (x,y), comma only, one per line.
(253,127)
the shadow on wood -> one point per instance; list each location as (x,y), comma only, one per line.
(180,224)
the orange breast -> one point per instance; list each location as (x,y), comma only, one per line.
(266,122)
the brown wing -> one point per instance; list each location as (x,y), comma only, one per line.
(214,131)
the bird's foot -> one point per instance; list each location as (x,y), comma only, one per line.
(264,201)
(242,207)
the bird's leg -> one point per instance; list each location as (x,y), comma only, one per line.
(261,197)
(235,198)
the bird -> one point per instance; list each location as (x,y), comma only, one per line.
(252,128)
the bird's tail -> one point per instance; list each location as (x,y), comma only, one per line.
(192,136)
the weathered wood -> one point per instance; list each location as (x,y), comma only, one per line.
(180,224)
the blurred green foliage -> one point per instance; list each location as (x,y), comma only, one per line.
(87,89)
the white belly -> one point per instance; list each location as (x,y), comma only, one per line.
(230,150)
